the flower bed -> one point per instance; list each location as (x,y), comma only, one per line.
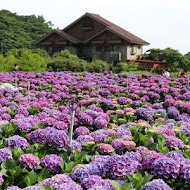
(134,136)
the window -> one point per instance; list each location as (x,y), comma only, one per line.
(113,48)
(87,24)
(133,50)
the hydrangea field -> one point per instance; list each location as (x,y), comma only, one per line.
(130,132)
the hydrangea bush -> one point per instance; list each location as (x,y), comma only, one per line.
(129,132)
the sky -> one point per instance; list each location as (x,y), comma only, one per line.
(163,23)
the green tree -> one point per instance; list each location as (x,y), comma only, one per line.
(173,58)
(21,31)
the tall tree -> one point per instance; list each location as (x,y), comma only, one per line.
(21,31)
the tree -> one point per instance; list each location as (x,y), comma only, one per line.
(21,31)
(173,58)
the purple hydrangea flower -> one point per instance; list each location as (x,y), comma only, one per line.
(117,167)
(156,184)
(100,123)
(85,119)
(5,154)
(17,141)
(118,144)
(38,136)
(185,172)
(166,168)
(61,182)
(85,138)
(13,188)
(57,138)
(52,162)
(82,172)
(75,145)
(95,181)
(173,113)
(23,124)
(175,155)
(174,142)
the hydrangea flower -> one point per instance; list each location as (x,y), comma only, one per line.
(166,168)
(118,144)
(105,148)
(95,181)
(149,160)
(1,179)
(81,131)
(52,162)
(17,141)
(117,167)
(5,154)
(13,188)
(57,138)
(156,184)
(100,123)
(29,160)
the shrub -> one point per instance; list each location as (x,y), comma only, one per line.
(120,67)
(97,66)
(66,61)
(27,60)
(126,67)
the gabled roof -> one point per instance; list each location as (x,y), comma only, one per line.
(63,34)
(112,27)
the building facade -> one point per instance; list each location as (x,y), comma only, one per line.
(93,37)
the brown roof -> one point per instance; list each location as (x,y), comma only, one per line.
(108,26)
(63,34)
(118,30)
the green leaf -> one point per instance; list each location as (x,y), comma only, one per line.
(44,174)
(116,185)
(9,129)
(67,167)
(31,178)
(45,187)
(147,178)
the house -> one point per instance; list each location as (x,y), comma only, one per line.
(93,37)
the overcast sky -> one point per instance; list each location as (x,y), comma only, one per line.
(163,23)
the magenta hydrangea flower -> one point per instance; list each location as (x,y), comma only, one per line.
(81,131)
(1,179)
(29,160)
(143,150)
(61,125)
(105,148)
(52,162)
(149,160)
